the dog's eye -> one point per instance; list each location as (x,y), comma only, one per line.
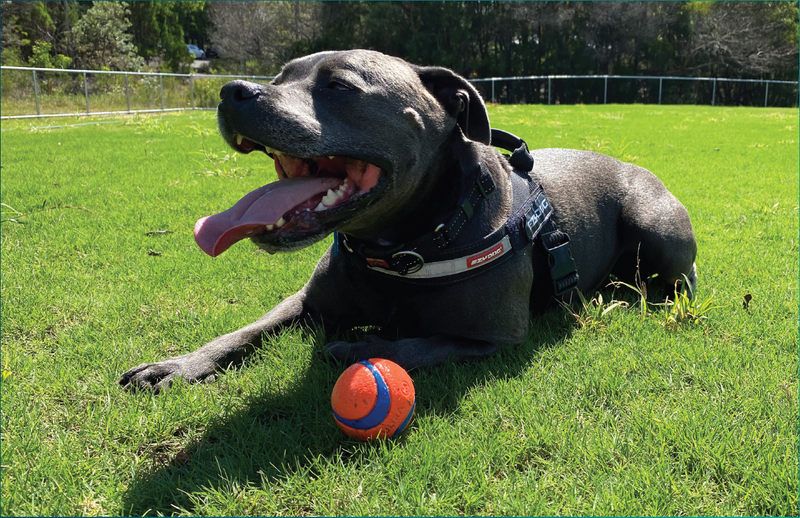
(339,86)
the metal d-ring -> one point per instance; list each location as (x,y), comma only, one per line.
(344,242)
(414,268)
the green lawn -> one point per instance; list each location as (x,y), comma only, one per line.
(619,413)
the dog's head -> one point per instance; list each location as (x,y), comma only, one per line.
(353,135)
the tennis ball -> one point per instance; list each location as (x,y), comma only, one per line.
(373,398)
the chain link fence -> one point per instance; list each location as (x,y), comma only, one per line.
(42,92)
(638,89)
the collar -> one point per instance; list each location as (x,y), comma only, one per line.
(429,261)
(409,258)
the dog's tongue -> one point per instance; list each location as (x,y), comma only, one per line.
(264,206)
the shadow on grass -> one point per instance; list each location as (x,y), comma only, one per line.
(281,432)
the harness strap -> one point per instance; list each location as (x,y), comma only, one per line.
(521,158)
(444,234)
(430,260)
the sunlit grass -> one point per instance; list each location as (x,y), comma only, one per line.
(604,410)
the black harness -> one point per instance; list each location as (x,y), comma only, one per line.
(430,260)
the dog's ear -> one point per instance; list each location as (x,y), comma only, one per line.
(461,100)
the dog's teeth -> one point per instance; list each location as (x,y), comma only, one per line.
(330,198)
(330,157)
(319,207)
(270,227)
(239,139)
(280,223)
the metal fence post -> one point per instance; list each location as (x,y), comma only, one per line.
(493,91)
(36,93)
(659,89)
(605,90)
(161,88)
(191,82)
(127,93)
(86,91)
(766,93)
(714,92)
(549,84)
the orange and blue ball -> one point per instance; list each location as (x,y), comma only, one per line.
(373,398)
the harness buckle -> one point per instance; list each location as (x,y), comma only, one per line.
(406,266)
(563,270)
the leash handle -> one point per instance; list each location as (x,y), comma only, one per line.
(520,158)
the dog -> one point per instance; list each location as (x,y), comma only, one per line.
(397,161)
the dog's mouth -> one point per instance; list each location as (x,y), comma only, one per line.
(311,196)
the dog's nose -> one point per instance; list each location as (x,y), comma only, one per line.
(239,91)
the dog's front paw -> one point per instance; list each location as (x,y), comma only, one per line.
(347,353)
(157,376)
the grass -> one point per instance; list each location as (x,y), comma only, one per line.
(609,412)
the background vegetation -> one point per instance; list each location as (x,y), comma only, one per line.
(604,410)
(484,39)
(755,40)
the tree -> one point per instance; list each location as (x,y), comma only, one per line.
(263,32)
(42,57)
(23,25)
(620,34)
(451,34)
(101,39)
(737,39)
(161,29)
(499,38)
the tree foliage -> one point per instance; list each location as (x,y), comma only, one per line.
(735,39)
(754,39)
(43,58)
(29,27)
(263,33)
(101,39)
(161,29)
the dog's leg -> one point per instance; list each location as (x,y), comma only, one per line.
(220,353)
(671,256)
(657,229)
(411,353)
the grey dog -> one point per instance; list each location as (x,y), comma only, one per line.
(387,155)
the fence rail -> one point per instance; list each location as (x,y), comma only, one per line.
(141,92)
(605,78)
(58,93)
